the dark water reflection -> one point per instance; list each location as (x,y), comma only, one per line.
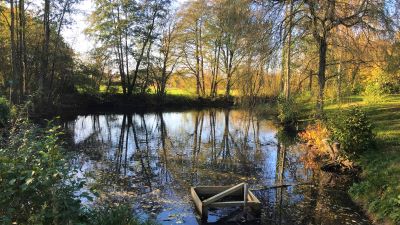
(154,158)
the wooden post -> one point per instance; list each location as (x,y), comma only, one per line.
(245,193)
(217,193)
(222,194)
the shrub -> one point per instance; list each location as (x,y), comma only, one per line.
(35,181)
(110,215)
(5,111)
(352,130)
(38,186)
(288,110)
(315,135)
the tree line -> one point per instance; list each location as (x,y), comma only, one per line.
(36,61)
(254,48)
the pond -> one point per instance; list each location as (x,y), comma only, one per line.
(154,159)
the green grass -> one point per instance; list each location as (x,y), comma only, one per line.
(379,190)
(191,92)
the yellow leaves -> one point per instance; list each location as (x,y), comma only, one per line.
(315,136)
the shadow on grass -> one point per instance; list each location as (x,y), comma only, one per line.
(379,189)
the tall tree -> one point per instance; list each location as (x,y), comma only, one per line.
(168,55)
(321,17)
(289,25)
(45,48)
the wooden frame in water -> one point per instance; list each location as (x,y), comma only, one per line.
(205,197)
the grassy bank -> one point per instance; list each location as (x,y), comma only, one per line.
(379,189)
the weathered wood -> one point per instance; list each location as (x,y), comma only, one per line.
(230,204)
(245,198)
(213,190)
(197,201)
(218,192)
(252,197)
(222,194)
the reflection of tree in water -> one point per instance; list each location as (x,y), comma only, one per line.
(156,156)
(305,204)
(129,148)
(218,153)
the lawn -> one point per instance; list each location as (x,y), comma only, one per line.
(379,189)
(191,92)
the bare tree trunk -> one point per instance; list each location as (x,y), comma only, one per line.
(146,80)
(339,83)
(45,52)
(127,56)
(13,51)
(310,82)
(203,89)
(22,55)
(323,47)
(230,54)
(198,84)
(353,78)
(140,58)
(215,70)
(60,23)
(289,12)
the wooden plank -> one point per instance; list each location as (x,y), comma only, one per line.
(226,204)
(212,190)
(257,204)
(249,197)
(197,201)
(222,194)
(245,195)
(230,204)
(253,197)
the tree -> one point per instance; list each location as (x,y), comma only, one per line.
(233,19)
(127,29)
(168,55)
(322,17)
(192,40)
(289,25)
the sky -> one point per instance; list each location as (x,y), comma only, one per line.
(74,33)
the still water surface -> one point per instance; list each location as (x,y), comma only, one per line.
(154,158)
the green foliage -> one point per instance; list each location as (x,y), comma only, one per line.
(381,186)
(5,111)
(110,215)
(379,189)
(377,86)
(36,183)
(352,129)
(288,110)
(38,186)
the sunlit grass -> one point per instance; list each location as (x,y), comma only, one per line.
(379,189)
(187,92)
